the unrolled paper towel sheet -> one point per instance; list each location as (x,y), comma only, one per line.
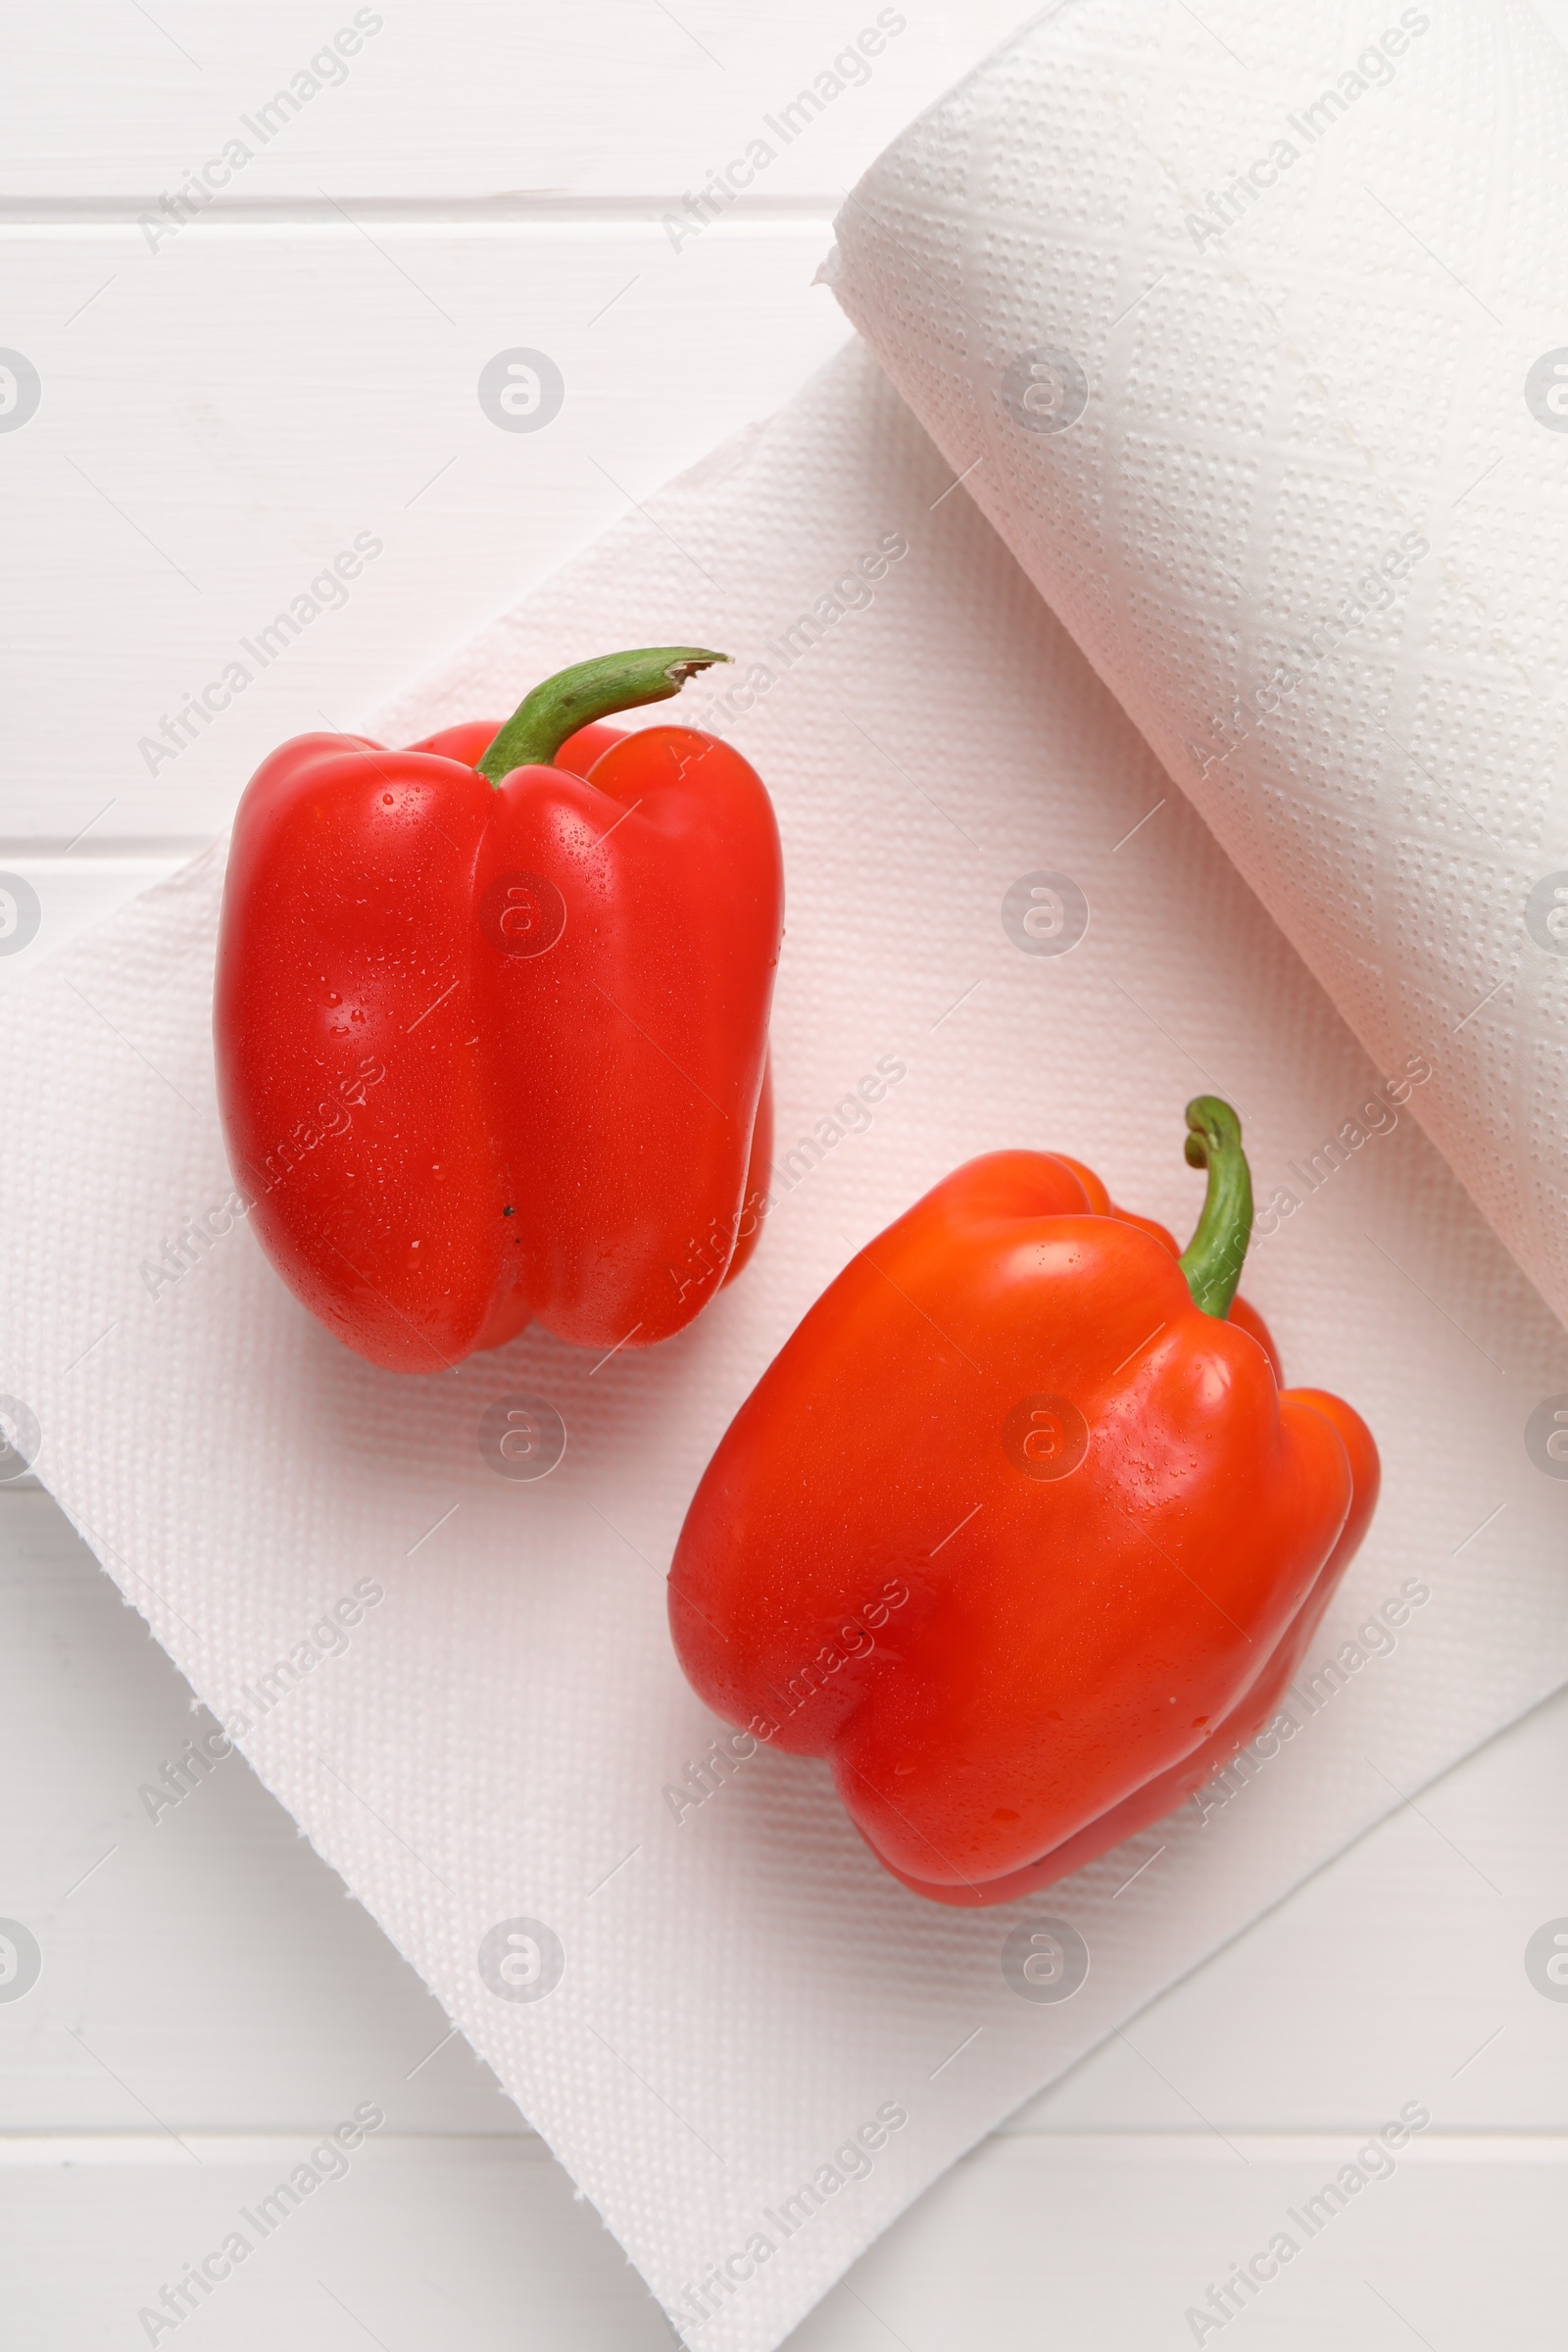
(699,2005)
(741,1987)
(1246,329)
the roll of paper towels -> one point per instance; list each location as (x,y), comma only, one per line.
(1249,334)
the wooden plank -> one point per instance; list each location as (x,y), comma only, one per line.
(218,427)
(1113,2244)
(416,2244)
(466,100)
(199,1961)
(1103,2240)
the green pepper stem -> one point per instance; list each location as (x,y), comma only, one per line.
(575,697)
(1212,1258)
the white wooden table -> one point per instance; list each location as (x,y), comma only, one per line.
(227,396)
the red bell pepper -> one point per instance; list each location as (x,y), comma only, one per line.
(491,1023)
(1019,1528)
